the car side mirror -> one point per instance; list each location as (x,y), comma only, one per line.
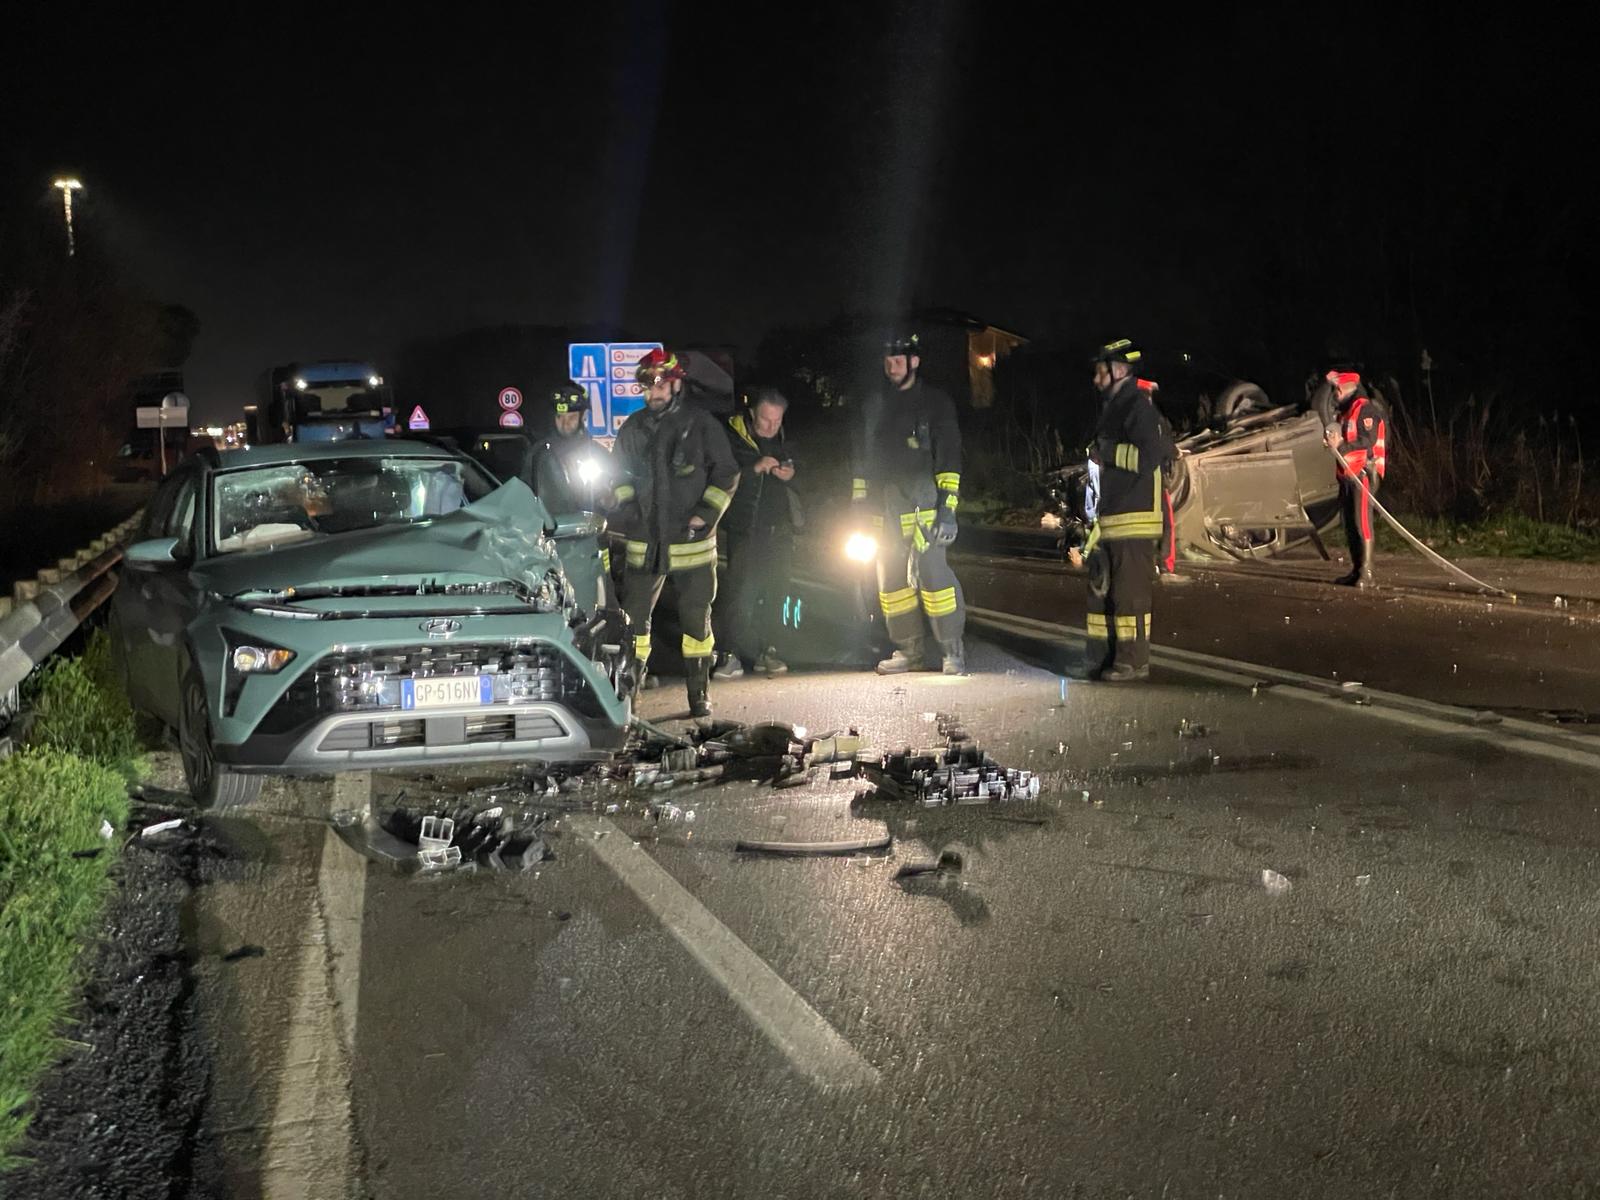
(578,525)
(157,552)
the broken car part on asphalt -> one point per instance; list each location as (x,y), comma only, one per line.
(961,772)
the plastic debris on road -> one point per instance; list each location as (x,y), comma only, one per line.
(1275,883)
(1363,880)
(960,772)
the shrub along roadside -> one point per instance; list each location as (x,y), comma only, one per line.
(58,797)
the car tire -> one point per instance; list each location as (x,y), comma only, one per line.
(211,784)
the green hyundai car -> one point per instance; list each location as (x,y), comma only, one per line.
(310,608)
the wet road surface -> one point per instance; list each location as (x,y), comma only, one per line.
(1105,1000)
(1477,653)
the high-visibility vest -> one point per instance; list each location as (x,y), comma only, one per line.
(1357,459)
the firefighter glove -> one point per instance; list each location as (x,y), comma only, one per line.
(944,527)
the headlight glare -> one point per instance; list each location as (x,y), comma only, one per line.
(861,548)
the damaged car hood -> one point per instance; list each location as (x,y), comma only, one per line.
(498,538)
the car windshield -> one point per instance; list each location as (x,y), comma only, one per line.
(254,507)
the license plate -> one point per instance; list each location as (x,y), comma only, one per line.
(447,691)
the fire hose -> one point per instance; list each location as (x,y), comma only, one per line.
(1411,538)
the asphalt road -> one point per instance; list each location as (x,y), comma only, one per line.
(1105,1001)
(1523,659)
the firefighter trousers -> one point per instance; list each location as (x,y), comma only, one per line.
(696,587)
(1121,575)
(1355,505)
(917,590)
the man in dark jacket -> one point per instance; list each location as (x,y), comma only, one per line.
(758,538)
(572,475)
(907,485)
(1129,447)
(676,477)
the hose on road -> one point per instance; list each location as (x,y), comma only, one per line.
(1410,538)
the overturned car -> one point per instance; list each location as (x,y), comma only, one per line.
(1255,481)
(376,604)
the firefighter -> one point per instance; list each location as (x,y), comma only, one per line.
(570,470)
(572,474)
(1358,434)
(1129,448)
(758,538)
(907,485)
(676,477)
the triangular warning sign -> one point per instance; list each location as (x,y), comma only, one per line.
(419,419)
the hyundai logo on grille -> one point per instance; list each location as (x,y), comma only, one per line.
(440,627)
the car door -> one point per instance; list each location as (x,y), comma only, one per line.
(158,599)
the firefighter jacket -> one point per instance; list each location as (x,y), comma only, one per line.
(907,451)
(762,503)
(670,467)
(1362,438)
(558,474)
(1130,446)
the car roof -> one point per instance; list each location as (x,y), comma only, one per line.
(292,452)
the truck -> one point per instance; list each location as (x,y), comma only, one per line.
(325,401)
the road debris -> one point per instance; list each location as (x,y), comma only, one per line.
(949,863)
(1363,880)
(874,845)
(1192,729)
(961,772)
(1275,883)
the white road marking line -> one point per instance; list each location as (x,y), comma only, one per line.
(1520,736)
(309,1152)
(813,1046)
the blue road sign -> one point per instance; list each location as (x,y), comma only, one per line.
(605,370)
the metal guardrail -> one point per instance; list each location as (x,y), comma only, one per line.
(43,612)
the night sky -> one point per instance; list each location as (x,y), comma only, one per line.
(701,173)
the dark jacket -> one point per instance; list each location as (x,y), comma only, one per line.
(671,467)
(1130,446)
(557,476)
(907,449)
(763,503)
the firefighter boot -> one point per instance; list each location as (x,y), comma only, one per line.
(907,657)
(698,681)
(955,657)
(1364,573)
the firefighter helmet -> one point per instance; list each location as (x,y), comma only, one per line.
(657,366)
(902,341)
(1120,351)
(569,398)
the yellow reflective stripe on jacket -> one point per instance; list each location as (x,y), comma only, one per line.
(1093,539)
(1127,457)
(737,424)
(684,556)
(1130,525)
(895,603)
(939,603)
(858,489)
(951,500)
(641,646)
(717,498)
(698,647)
(636,553)
(605,558)
(624,492)
(948,481)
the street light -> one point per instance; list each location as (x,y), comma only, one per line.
(68,186)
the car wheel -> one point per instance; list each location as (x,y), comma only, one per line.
(211,785)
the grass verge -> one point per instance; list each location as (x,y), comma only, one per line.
(1504,536)
(58,798)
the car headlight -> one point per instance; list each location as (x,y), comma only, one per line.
(256,657)
(588,469)
(861,548)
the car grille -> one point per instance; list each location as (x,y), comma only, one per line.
(356,681)
(391,733)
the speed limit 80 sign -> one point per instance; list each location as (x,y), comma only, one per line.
(510,399)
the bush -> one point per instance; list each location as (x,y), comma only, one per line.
(53,880)
(81,708)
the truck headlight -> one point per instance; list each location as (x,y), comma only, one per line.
(861,547)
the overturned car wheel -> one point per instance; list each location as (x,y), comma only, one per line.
(211,785)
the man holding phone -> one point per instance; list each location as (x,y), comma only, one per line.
(758,538)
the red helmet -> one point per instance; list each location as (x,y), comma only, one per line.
(658,365)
